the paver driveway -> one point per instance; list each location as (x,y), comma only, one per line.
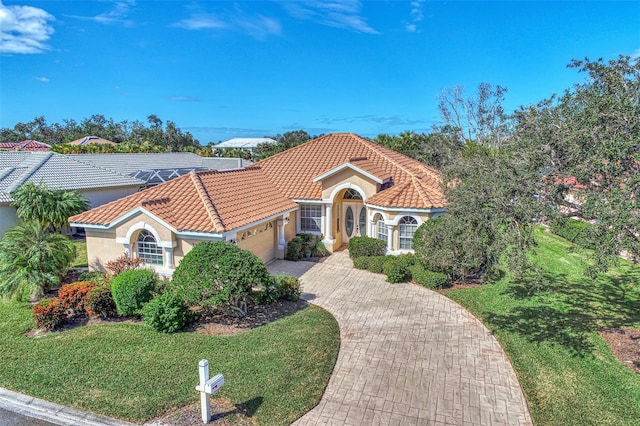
(407,355)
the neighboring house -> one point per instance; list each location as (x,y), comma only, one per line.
(249,144)
(92,139)
(59,172)
(156,168)
(339,185)
(26,145)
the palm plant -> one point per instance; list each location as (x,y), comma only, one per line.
(46,206)
(33,260)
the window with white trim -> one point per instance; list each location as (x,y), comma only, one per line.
(310,217)
(381,228)
(147,248)
(407,228)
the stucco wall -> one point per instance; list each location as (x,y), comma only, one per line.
(290,229)
(101,248)
(330,183)
(100,196)
(8,218)
(124,227)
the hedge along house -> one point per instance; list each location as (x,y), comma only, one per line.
(339,185)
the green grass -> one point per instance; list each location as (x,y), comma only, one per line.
(567,371)
(81,260)
(276,372)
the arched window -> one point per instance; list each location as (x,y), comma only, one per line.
(351,194)
(147,248)
(381,228)
(407,228)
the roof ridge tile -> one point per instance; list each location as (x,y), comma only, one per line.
(210,208)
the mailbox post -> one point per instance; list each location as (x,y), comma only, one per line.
(207,387)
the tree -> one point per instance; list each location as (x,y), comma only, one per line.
(283,142)
(50,208)
(481,119)
(33,260)
(586,145)
(436,149)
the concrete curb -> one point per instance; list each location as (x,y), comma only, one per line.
(53,413)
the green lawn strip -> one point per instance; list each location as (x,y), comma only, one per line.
(276,372)
(81,260)
(566,369)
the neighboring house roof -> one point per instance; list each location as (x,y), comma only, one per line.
(156,168)
(411,184)
(92,139)
(244,143)
(209,201)
(26,145)
(56,171)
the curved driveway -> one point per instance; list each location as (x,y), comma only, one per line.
(407,355)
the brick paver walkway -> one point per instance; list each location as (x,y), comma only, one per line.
(407,355)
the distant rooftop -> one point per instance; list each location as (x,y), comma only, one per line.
(92,139)
(26,145)
(244,143)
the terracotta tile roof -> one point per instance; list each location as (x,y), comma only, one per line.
(26,145)
(209,201)
(415,185)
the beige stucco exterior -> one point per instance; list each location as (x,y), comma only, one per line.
(261,240)
(350,177)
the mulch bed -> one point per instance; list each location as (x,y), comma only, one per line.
(625,345)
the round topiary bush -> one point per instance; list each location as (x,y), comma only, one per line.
(366,246)
(219,274)
(166,313)
(132,289)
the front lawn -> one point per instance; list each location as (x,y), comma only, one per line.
(566,369)
(81,258)
(276,372)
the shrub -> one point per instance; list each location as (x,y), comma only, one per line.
(49,313)
(99,303)
(73,296)
(427,278)
(219,274)
(294,249)
(396,270)
(366,246)
(376,263)
(361,262)
(320,249)
(131,289)
(124,263)
(97,277)
(287,288)
(166,313)
(571,229)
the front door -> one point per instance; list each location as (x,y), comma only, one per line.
(352,220)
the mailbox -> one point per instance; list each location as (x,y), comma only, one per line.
(214,384)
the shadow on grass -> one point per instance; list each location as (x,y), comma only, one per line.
(567,310)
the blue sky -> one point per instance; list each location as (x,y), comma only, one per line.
(247,69)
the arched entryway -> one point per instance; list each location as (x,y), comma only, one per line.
(351,215)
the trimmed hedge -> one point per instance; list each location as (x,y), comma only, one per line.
(427,278)
(376,264)
(361,262)
(131,289)
(166,313)
(366,246)
(49,314)
(99,303)
(571,229)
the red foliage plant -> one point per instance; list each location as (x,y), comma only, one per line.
(123,263)
(49,313)
(73,296)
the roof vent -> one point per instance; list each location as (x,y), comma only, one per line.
(358,159)
(156,201)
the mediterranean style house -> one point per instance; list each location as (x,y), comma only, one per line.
(339,185)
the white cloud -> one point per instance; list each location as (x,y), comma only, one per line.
(183,99)
(415,16)
(24,29)
(256,26)
(339,14)
(118,14)
(636,54)
(42,79)
(389,120)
